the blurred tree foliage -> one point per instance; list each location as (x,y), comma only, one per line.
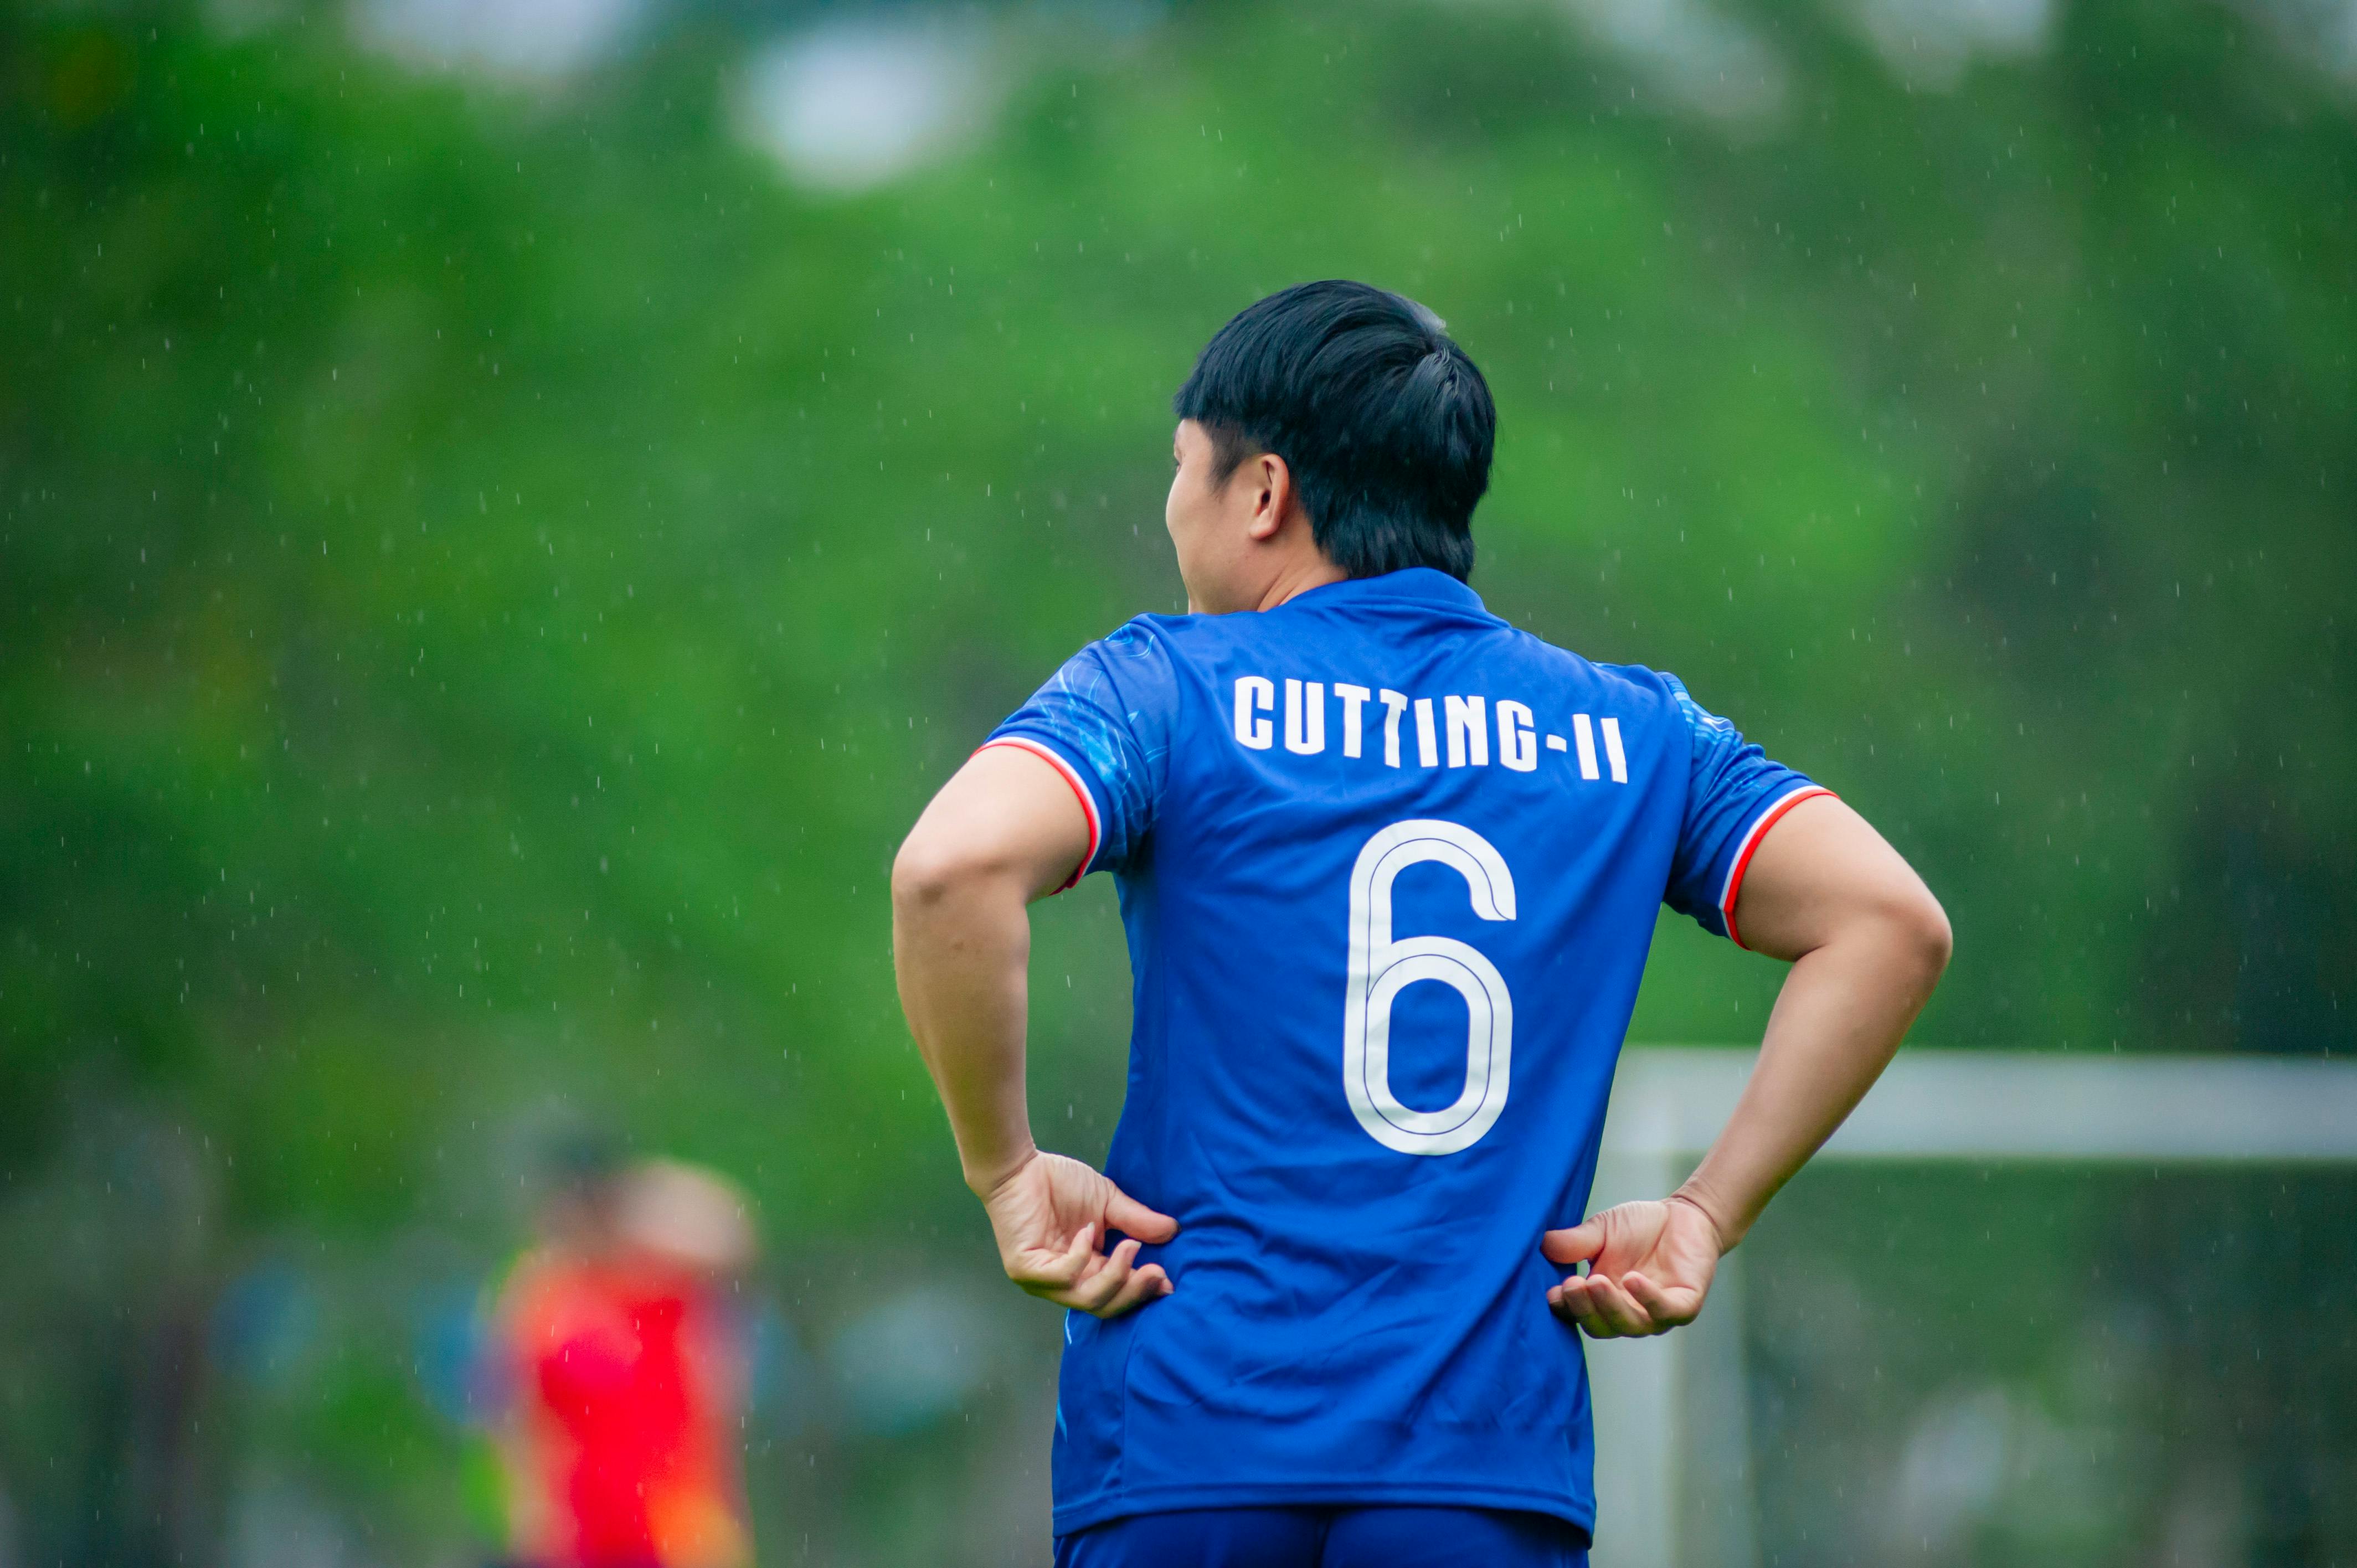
(485,574)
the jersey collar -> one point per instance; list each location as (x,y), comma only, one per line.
(1416,585)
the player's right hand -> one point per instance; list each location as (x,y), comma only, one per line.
(1050,1215)
(1649,1266)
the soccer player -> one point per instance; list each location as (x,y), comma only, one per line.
(626,1368)
(1389,869)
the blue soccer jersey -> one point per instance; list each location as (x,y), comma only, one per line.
(1389,869)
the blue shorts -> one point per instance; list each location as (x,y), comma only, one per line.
(1336,1536)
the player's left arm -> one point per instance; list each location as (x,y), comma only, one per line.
(1006,830)
(1867,941)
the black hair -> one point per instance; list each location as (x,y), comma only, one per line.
(1384,421)
(580,1162)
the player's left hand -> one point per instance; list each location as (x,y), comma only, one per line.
(1050,1215)
(1649,1266)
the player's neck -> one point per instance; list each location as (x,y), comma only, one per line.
(1298,577)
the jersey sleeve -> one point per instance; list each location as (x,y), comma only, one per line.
(1103,723)
(1733,798)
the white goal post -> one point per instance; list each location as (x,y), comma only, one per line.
(1672,1470)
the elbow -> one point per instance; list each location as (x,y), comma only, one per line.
(925,875)
(935,869)
(1920,929)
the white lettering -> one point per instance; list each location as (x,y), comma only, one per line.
(1395,705)
(1518,744)
(1583,733)
(1467,719)
(1382,966)
(1254,695)
(1305,721)
(1353,699)
(1468,731)
(1612,751)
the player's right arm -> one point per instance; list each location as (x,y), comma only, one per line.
(1776,864)
(1867,941)
(1007,829)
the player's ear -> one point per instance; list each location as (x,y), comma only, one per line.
(1273,496)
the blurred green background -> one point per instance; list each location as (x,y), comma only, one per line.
(505,513)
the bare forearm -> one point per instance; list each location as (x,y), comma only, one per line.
(961,948)
(1002,832)
(1839,1018)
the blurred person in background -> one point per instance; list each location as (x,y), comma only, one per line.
(625,1368)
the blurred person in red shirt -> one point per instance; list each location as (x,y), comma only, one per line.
(626,1372)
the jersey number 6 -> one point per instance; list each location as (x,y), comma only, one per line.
(1381,969)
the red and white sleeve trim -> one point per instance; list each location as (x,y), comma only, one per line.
(1750,844)
(1079,788)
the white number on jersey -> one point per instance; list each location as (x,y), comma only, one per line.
(1381,969)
